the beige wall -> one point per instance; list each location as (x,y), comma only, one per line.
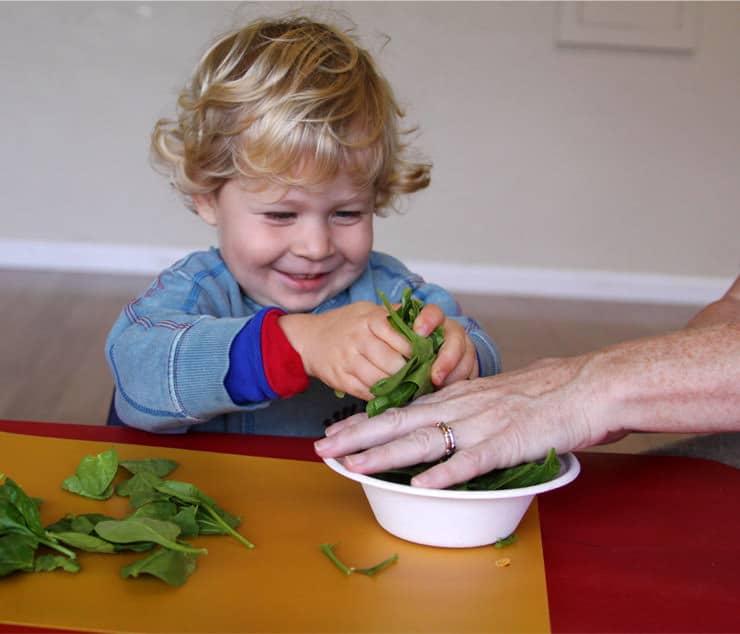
(551,157)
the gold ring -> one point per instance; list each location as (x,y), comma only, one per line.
(449,437)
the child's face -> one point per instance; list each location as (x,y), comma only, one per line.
(292,248)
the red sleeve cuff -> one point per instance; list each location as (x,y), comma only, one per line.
(282,364)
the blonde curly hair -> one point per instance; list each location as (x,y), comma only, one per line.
(280,95)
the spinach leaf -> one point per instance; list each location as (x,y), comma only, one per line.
(19,505)
(208,524)
(144,529)
(211,518)
(161,467)
(171,567)
(141,489)
(524,475)
(390,383)
(187,519)
(84,523)
(19,515)
(146,488)
(184,516)
(527,474)
(17,553)
(73,529)
(94,475)
(88,543)
(158,510)
(48,563)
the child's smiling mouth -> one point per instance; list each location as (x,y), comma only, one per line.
(305,281)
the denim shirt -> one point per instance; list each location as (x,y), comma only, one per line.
(168,351)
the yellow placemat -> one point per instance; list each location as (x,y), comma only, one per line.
(285,584)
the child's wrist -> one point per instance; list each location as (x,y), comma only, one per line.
(295,326)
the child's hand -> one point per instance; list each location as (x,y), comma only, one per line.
(457,359)
(349,348)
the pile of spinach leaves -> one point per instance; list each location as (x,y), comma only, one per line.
(22,533)
(414,378)
(164,512)
(523,475)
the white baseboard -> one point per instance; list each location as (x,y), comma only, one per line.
(575,284)
(456,277)
(90,257)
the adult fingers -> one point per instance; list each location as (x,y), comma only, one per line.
(359,432)
(462,466)
(512,445)
(425,444)
(479,446)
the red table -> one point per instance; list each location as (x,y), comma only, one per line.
(635,544)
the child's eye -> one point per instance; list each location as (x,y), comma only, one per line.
(280,216)
(348,217)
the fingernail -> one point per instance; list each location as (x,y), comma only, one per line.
(418,481)
(321,445)
(355,461)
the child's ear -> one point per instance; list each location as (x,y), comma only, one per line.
(205,206)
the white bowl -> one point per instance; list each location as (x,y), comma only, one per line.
(453,519)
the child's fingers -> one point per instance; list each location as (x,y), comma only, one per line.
(466,369)
(382,329)
(456,361)
(355,387)
(358,379)
(429,318)
(449,357)
(385,359)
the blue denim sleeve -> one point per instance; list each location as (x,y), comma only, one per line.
(169,350)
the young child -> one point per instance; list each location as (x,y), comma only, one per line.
(287,141)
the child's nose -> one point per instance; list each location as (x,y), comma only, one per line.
(314,241)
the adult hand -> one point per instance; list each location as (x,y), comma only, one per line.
(497,422)
(687,381)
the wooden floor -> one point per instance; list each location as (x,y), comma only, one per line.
(53,328)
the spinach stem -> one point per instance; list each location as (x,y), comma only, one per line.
(226,527)
(378,567)
(52,543)
(328,550)
(182,548)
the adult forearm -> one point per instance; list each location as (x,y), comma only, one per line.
(685,382)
